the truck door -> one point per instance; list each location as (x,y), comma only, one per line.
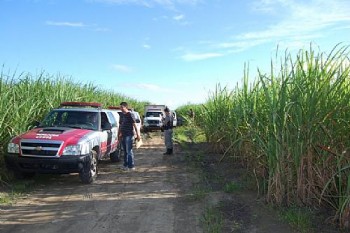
(114,120)
(107,135)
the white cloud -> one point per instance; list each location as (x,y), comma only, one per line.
(301,23)
(178,17)
(241,44)
(151,3)
(65,24)
(302,19)
(146,46)
(148,86)
(297,23)
(268,6)
(200,56)
(93,27)
(122,68)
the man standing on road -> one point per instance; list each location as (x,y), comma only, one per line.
(168,132)
(126,134)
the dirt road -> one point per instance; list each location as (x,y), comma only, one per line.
(153,198)
(144,200)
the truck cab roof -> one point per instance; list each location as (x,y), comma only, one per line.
(83,115)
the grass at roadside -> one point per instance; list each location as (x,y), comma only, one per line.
(12,188)
(16,189)
(232,187)
(198,192)
(190,133)
(230,179)
(212,220)
(299,218)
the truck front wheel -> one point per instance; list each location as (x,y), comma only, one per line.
(89,172)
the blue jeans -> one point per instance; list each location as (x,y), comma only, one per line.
(127,142)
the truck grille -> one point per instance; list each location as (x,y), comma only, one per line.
(153,122)
(40,148)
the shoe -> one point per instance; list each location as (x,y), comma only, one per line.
(168,152)
(132,169)
(124,168)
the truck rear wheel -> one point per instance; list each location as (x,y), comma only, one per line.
(89,172)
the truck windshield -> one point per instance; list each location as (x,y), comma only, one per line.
(153,114)
(73,119)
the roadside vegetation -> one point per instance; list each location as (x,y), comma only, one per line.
(222,173)
(290,129)
(14,190)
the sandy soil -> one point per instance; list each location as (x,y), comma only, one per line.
(159,196)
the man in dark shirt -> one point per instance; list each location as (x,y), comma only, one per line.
(126,134)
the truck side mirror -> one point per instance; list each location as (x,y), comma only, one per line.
(35,124)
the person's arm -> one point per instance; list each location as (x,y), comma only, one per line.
(138,136)
(166,120)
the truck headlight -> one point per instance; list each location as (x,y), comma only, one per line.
(72,150)
(13,148)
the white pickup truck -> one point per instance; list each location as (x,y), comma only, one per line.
(153,118)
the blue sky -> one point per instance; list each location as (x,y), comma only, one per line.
(170,52)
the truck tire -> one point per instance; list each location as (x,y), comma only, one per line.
(115,156)
(89,172)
